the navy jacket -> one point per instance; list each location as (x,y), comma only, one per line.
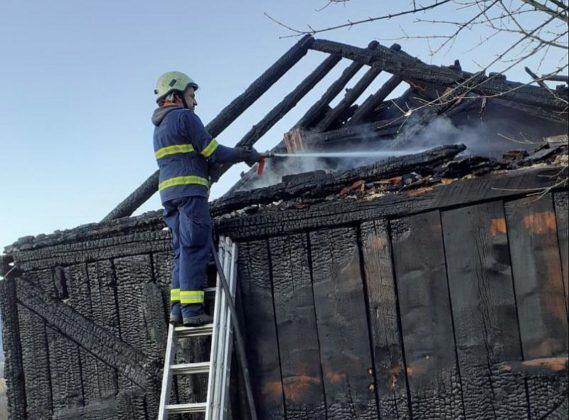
(184,150)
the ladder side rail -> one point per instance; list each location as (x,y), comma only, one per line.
(213,348)
(222,336)
(239,341)
(166,374)
(224,385)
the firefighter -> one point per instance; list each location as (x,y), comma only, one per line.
(187,156)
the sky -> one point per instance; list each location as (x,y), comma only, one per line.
(78,79)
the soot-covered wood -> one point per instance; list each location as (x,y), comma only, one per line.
(342,325)
(383,312)
(295,318)
(261,332)
(426,317)
(536,266)
(484,310)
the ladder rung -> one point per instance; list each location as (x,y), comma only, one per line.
(183,332)
(186,408)
(190,368)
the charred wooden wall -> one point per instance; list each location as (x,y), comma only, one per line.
(453,308)
(447,304)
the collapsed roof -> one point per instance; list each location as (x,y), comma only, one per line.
(443,105)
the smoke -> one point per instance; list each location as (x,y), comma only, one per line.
(479,137)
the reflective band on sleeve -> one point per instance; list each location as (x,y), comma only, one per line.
(211,147)
(173,150)
(192,296)
(183,180)
(175,295)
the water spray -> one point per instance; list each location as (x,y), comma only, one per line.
(333,155)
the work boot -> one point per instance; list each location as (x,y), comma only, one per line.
(176,314)
(194,315)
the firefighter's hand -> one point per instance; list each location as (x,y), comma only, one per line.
(215,171)
(251,156)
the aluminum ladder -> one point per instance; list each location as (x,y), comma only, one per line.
(219,364)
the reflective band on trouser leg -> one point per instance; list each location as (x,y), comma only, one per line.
(210,148)
(173,150)
(183,180)
(192,296)
(175,295)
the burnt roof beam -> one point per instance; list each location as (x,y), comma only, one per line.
(371,103)
(317,110)
(411,68)
(353,94)
(229,114)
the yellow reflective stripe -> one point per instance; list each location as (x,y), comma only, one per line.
(211,147)
(175,295)
(173,150)
(192,296)
(183,180)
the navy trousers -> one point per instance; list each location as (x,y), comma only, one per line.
(190,223)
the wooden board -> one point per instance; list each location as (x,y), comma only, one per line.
(538,283)
(342,324)
(13,368)
(254,279)
(35,354)
(426,321)
(484,310)
(562,215)
(296,325)
(383,313)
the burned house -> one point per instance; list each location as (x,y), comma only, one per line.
(431,284)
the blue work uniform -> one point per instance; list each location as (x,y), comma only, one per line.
(184,150)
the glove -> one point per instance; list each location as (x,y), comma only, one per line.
(215,171)
(250,156)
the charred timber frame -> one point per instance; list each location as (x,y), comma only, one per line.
(411,68)
(371,103)
(229,114)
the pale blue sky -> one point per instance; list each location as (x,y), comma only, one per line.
(78,77)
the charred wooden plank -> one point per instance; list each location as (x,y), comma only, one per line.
(351,94)
(277,220)
(538,283)
(432,370)
(296,325)
(411,68)
(317,110)
(12,346)
(371,103)
(97,379)
(383,314)
(329,184)
(342,325)
(484,310)
(261,333)
(229,114)
(289,102)
(104,312)
(562,217)
(35,347)
(130,361)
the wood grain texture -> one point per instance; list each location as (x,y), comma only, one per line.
(538,282)
(562,217)
(426,320)
(297,331)
(484,310)
(390,370)
(13,364)
(342,324)
(254,279)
